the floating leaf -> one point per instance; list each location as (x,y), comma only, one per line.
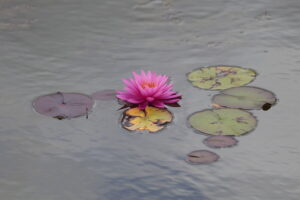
(104,95)
(221,77)
(63,105)
(223,121)
(202,157)
(220,141)
(151,119)
(245,98)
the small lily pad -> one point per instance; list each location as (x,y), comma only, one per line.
(223,121)
(220,141)
(221,77)
(151,119)
(245,98)
(202,157)
(63,105)
(104,95)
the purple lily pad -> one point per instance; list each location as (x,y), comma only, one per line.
(63,105)
(220,141)
(202,157)
(104,95)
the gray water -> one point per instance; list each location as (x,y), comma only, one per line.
(86,46)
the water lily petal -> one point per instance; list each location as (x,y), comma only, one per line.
(158,104)
(148,88)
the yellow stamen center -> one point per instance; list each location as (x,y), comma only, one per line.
(148,84)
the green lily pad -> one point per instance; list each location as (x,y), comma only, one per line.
(221,77)
(245,98)
(224,121)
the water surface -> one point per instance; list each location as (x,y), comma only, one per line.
(86,46)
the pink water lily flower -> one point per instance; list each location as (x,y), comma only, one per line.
(148,89)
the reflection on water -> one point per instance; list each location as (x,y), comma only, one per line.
(87,46)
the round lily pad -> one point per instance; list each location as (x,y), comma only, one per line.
(104,95)
(202,157)
(63,105)
(151,119)
(220,141)
(245,98)
(223,121)
(221,77)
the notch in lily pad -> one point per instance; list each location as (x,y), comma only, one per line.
(202,157)
(221,77)
(224,121)
(63,105)
(245,97)
(151,119)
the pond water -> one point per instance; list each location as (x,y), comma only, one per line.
(86,46)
